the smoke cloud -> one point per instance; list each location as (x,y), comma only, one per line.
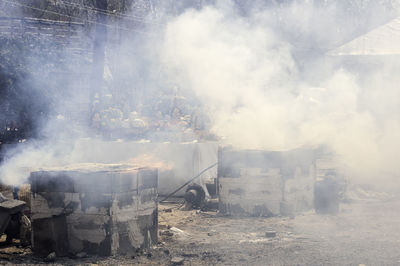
(262,77)
(260,96)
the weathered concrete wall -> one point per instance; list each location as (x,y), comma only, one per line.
(253,193)
(108,211)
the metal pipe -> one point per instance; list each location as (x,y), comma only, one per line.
(196,176)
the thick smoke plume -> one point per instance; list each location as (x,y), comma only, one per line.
(258,96)
(262,77)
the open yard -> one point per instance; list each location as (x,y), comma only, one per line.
(365,232)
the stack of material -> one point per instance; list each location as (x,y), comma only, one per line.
(95,208)
(253,193)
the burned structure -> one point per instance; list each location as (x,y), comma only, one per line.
(96,209)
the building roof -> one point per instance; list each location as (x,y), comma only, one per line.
(383,40)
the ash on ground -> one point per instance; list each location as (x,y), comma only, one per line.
(363,232)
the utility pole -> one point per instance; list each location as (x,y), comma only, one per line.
(99,45)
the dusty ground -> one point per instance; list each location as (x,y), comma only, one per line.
(364,232)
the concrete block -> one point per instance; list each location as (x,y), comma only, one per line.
(49,181)
(124,182)
(50,235)
(251,195)
(147,178)
(117,218)
(138,233)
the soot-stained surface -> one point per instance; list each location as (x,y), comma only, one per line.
(100,211)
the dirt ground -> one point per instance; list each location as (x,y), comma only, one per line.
(365,232)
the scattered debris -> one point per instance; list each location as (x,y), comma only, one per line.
(166,233)
(212,233)
(254,241)
(177,260)
(270,234)
(13,222)
(51,257)
(81,255)
(5,256)
(178,231)
(211,204)
(189,255)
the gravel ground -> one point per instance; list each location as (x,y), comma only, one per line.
(365,232)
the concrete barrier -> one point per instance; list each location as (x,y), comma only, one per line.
(103,210)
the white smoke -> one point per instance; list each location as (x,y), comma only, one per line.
(246,72)
(246,75)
